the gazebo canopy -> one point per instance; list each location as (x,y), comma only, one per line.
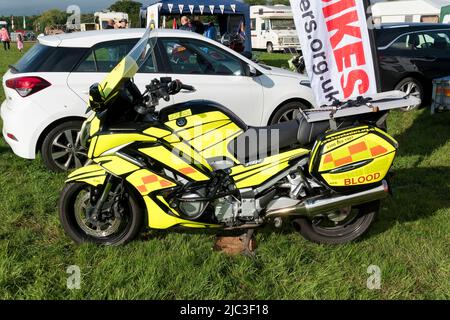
(202,7)
(206,8)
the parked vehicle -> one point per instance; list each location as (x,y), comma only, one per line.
(411,56)
(273,28)
(198,165)
(410,11)
(102,18)
(88,27)
(47,90)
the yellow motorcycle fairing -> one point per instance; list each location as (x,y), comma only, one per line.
(161,216)
(92,174)
(256,174)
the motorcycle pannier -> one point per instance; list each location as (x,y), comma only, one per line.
(358,156)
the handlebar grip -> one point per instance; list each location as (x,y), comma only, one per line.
(186,87)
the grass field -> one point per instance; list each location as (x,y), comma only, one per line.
(410,241)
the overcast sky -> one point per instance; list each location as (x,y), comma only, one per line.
(30,7)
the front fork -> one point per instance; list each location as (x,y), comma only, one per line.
(109,183)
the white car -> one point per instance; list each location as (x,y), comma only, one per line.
(47,91)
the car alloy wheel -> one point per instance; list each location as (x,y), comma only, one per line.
(65,152)
(60,149)
(289,115)
(288,112)
(412,87)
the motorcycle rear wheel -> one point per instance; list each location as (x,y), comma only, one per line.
(326,231)
(115,230)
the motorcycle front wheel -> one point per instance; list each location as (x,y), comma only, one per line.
(338,227)
(119,221)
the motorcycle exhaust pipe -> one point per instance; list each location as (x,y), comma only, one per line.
(317,205)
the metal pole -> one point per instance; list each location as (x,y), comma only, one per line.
(373,44)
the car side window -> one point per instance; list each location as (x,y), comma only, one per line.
(413,41)
(439,40)
(189,56)
(105,56)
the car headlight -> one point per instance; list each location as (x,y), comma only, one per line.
(85,134)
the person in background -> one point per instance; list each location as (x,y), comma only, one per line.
(111,24)
(123,24)
(197,26)
(4,37)
(20,42)
(241,31)
(185,24)
(211,31)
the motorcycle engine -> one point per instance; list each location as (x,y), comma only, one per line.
(190,208)
(230,211)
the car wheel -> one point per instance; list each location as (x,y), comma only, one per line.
(59,150)
(269,47)
(413,87)
(288,112)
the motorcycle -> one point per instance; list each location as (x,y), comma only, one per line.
(197,165)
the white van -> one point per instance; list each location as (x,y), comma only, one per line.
(102,18)
(273,28)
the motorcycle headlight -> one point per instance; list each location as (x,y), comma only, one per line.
(85,134)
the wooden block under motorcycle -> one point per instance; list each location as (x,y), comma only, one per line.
(244,244)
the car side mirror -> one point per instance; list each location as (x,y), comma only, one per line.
(251,71)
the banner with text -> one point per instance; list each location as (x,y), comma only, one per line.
(336,47)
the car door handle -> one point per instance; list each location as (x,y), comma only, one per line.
(430,58)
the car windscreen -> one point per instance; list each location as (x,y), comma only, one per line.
(42,58)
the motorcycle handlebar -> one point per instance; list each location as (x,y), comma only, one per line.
(187,87)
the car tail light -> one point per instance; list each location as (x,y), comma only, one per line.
(11,136)
(26,86)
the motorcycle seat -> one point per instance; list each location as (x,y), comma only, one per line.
(260,142)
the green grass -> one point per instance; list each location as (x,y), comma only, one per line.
(409,241)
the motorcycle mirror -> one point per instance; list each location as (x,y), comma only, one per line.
(96,100)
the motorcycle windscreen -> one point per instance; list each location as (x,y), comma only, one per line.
(128,66)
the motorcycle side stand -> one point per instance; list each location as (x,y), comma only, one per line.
(249,243)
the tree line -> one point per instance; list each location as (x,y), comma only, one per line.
(56,17)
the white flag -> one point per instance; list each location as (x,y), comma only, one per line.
(201,7)
(170,6)
(191,8)
(181,7)
(336,45)
(211,8)
(233,7)
(222,8)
